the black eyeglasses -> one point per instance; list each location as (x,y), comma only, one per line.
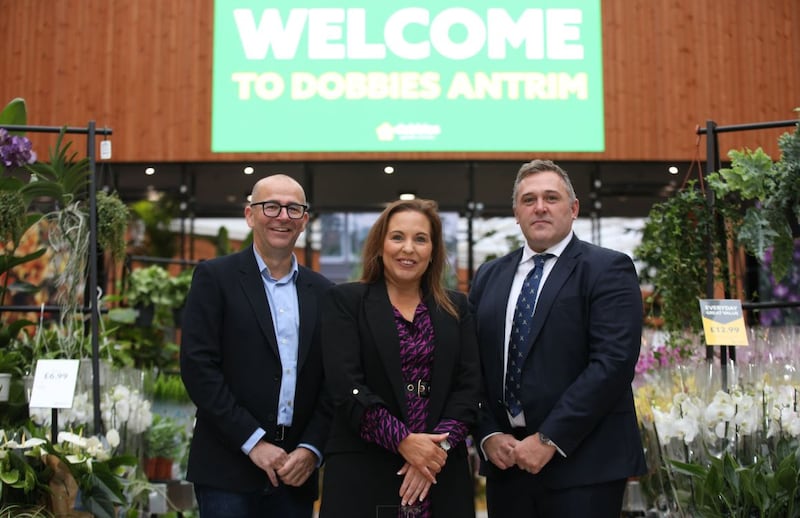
(271,209)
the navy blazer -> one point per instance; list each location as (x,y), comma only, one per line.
(232,370)
(576,377)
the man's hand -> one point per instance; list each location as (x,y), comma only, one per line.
(499,450)
(532,455)
(415,486)
(298,467)
(422,451)
(269,458)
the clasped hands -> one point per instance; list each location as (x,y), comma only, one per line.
(529,454)
(292,468)
(424,459)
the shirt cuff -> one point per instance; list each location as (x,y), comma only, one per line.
(313,450)
(559,450)
(483,452)
(253,440)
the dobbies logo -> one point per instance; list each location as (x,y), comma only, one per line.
(387,132)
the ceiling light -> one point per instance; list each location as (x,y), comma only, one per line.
(672,170)
(249,170)
(149,171)
(407,196)
(388,169)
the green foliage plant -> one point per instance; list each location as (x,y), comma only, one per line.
(157,217)
(154,286)
(14,219)
(757,206)
(112,224)
(169,387)
(727,488)
(164,438)
(762,199)
(674,249)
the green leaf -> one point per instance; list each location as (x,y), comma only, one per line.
(15,113)
(9,183)
(693,470)
(9,477)
(64,177)
(10,261)
(122,315)
(730,469)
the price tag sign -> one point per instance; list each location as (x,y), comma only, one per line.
(54,383)
(723,322)
(105,149)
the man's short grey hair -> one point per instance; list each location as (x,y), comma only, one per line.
(541,166)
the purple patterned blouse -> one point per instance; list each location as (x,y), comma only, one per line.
(416,356)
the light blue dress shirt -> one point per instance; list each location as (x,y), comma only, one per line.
(282,297)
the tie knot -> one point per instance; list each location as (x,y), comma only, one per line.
(539,259)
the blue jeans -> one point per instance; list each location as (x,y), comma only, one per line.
(278,502)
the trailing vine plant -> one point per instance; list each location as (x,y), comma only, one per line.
(674,246)
(757,207)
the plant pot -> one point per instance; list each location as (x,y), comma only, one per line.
(158,468)
(5,386)
(145,315)
(27,382)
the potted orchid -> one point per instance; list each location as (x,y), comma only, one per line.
(732,452)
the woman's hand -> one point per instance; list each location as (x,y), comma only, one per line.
(422,451)
(415,486)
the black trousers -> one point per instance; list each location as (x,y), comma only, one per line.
(521,495)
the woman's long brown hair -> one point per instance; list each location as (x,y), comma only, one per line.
(433,278)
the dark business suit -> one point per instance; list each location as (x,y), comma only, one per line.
(576,378)
(232,371)
(363,367)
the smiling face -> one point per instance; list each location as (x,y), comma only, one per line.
(544,210)
(407,248)
(277,234)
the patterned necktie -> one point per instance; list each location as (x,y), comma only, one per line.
(519,343)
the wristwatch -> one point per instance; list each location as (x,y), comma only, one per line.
(445,445)
(545,440)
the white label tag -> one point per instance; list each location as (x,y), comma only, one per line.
(54,383)
(105,149)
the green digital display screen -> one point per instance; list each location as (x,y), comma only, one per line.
(438,76)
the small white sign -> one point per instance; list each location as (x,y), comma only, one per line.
(105,149)
(54,383)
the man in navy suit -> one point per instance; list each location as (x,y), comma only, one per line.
(571,449)
(252,363)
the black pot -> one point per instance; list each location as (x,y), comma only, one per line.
(145,315)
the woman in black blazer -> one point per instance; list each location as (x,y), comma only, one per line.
(400,356)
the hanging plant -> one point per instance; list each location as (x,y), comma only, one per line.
(757,206)
(763,201)
(673,249)
(112,223)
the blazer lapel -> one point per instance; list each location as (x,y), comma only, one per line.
(549,292)
(380,319)
(445,354)
(253,287)
(501,290)
(307,302)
